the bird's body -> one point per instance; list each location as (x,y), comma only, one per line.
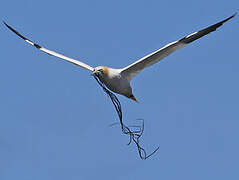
(118,80)
(115,81)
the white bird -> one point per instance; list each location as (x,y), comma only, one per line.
(118,80)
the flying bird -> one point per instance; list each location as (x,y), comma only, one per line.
(118,80)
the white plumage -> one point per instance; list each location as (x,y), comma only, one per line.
(118,80)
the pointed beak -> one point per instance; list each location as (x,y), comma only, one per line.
(95,73)
(134,98)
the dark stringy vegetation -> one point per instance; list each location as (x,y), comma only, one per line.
(134,135)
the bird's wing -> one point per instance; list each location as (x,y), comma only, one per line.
(76,62)
(133,69)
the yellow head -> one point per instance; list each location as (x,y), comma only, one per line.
(101,70)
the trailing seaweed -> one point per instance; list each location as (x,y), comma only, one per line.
(134,135)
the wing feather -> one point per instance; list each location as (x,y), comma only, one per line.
(74,61)
(133,69)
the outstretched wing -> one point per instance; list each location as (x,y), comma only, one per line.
(76,62)
(130,71)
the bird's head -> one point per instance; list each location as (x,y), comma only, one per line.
(101,71)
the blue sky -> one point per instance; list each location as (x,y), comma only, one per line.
(55,118)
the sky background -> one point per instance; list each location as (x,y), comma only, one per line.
(54,117)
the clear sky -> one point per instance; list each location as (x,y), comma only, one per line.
(55,118)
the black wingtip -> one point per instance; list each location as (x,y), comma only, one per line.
(227,19)
(5,23)
(9,27)
(13,30)
(232,16)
